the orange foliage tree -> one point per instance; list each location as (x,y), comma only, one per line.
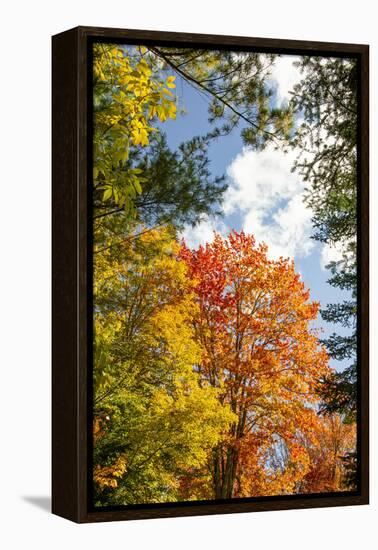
(330,446)
(260,353)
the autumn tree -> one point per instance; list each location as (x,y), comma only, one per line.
(263,358)
(134,94)
(137,179)
(127,99)
(329,447)
(206,371)
(153,419)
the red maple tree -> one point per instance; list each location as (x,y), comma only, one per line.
(260,352)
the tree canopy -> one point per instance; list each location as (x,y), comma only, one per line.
(209,378)
(327,137)
(258,349)
(153,420)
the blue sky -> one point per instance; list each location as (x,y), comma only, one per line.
(264,197)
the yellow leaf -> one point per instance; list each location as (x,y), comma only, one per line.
(170,82)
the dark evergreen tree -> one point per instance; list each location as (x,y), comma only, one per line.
(151,185)
(235,85)
(178,187)
(326,98)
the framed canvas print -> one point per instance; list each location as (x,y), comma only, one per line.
(210,274)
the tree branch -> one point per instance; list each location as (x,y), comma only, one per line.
(188,77)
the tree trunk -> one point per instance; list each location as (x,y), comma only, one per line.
(225,463)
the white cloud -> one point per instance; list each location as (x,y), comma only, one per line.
(269,198)
(343,250)
(266,200)
(289,232)
(203,232)
(259,179)
(330,253)
(285,75)
(264,197)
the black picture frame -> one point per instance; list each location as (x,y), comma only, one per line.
(72,277)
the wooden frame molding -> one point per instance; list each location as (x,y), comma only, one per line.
(72,283)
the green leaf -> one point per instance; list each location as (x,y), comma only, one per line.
(138,187)
(107,194)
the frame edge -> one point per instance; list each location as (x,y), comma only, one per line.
(65,451)
(69,240)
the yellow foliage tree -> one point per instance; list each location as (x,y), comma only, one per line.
(129,100)
(154,420)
